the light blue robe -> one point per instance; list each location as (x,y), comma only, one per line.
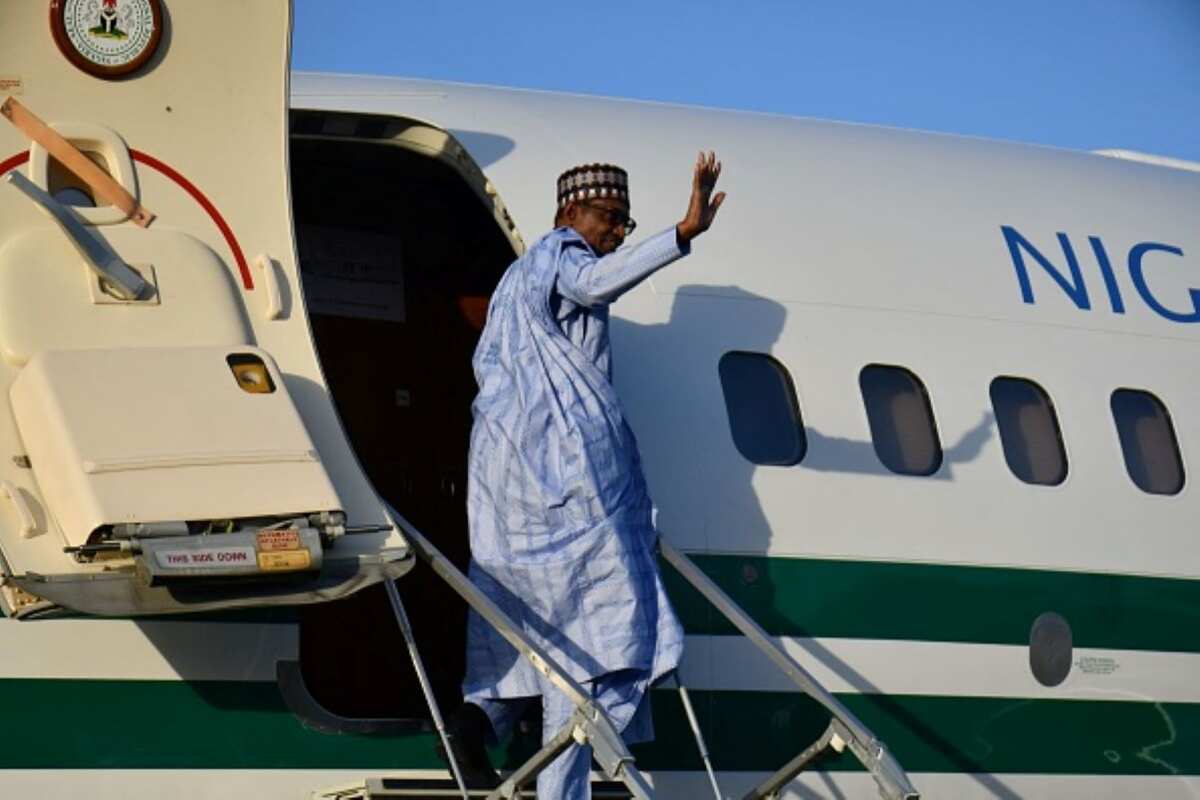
(562,537)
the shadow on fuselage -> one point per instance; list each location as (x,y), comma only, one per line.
(839,454)
(674,376)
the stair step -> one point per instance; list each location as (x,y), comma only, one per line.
(382,788)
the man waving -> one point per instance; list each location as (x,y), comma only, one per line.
(562,537)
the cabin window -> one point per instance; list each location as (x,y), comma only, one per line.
(764,416)
(901,419)
(1147,441)
(1029,432)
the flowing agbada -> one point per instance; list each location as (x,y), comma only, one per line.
(562,537)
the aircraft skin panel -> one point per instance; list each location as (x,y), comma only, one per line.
(840,502)
(832,213)
(184,784)
(229,725)
(85,649)
(858,245)
(945,786)
(936,669)
(937,602)
(163,650)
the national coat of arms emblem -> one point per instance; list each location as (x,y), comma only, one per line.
(107,38)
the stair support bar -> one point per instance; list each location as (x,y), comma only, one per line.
(832,738)
(889,776)
(419,665)
(694,724)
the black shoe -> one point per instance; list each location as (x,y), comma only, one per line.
(467,730)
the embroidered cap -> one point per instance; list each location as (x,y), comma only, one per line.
(591,181)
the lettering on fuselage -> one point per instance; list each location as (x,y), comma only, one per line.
(1072,283)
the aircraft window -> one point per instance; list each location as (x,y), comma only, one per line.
(1147,441)
(70,196)
(901,419)
(764,416)
(68,188)
(1029,432)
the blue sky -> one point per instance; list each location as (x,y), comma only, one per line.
(1069,73)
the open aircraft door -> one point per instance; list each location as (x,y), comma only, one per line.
(170,444)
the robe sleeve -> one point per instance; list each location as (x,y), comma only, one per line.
(590,281)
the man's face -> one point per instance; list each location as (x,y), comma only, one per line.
(600,221)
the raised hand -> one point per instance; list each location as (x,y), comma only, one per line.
(703,206)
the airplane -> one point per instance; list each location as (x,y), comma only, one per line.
(919,404)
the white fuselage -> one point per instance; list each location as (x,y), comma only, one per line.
(910,597)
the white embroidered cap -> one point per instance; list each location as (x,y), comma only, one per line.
(590,181)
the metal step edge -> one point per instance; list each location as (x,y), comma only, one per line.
(383,788)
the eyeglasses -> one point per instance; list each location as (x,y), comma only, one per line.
(614,217)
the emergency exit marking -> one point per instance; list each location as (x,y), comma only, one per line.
(208,558)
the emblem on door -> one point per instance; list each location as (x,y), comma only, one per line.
(107,38)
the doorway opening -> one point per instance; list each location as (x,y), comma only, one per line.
(401,243)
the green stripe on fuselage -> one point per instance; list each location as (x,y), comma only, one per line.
(75,724)
(928,602)
(763,730)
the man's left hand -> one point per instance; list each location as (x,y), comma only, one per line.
(702,208)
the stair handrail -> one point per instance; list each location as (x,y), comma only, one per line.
(589,721)
(892,781)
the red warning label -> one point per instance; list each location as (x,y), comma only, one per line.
(269,541)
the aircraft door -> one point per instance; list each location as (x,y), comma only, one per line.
(173,445)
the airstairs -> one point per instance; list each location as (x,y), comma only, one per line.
(591,725)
